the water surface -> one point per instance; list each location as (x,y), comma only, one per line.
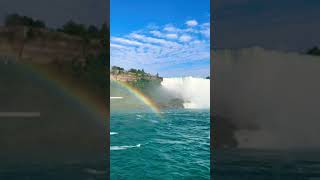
(246,164)
(172,145)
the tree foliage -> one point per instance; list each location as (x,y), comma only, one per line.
(86,32)
(17,20)
(74,28)
(314,51)
(71,27)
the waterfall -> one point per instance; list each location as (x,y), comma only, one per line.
(195,92)
(272,97)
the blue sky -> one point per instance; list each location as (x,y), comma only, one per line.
(169,37)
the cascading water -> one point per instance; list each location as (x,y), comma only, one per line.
(271,97)
(195,92)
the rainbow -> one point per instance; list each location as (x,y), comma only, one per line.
(88,102)
(138,94)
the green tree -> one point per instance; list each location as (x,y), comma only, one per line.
(17,20)
(73,28)
(314,51)
(117,68)
(39,24)
(132,70)
(12,20)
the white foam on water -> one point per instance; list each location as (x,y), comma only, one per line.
(195,92)
(154,121)
(113,133)
(116,148)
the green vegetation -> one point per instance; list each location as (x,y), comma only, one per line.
(73,28)
(70,28)
(17,20)
(76,29)
(116,70)
(315,51)
(139,79)
(140,74)
(148,84)
(87,72)
(94,69)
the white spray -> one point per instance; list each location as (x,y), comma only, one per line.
(194,91)
(277,93)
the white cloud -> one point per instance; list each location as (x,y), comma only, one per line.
(196,42)
(162,48)
(170,28)
(156,33)
(206,32)
(152,40)
(205,29)
(172,36)
(185,38)
(164,35)
(206,24)
(191,23)
(117,46)
(126,41)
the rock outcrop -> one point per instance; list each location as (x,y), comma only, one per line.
(43,45)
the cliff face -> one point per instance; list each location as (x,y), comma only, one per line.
(43,46)
(133,77)
(124,77)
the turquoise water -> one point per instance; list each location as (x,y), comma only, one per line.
(175,145)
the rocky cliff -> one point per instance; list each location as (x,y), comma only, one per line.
(133,76)
(44,46)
